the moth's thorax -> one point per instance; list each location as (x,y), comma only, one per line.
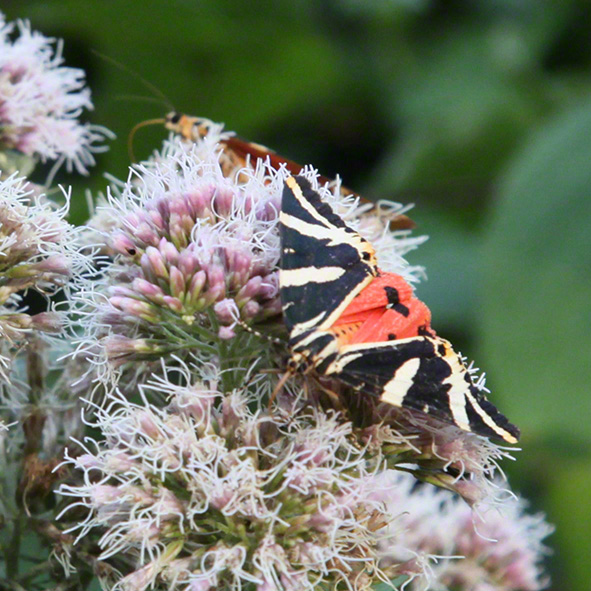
(189,128)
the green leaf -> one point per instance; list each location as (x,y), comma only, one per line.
(460,113)
(451,258)
(536,317)
(569,487)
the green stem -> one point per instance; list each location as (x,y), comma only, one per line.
(6,585)
(13,549)
(189,340)
(35,370)
(41,568)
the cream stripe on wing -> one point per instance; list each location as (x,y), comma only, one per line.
(396,389)
(335,235)
(305,204)
(305,275)
(302,327)
(489,422)
(457,396)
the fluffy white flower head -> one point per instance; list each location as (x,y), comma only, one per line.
(38,250)
(41,100)
(209,493)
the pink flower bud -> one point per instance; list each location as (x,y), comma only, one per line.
(122,291)
(146,234)
(47,322)
(121,462)
(103,494)
(195,287)
(135,308)
(269,287)
(223,201)
(217,286)
(188,262)
(54,264)
(156,219)
(226,310)
(156,262)
(177,283)
(174,304)
(118,347)
(251,309)
(148,290)
(226,333)
(169,251)
(123,244)
(250,290)
(147,425)
(200,201)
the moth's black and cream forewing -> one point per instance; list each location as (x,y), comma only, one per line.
(324,265)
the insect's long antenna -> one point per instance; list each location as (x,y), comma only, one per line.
(256,333)
(159,121)
(151,87)
(137,98)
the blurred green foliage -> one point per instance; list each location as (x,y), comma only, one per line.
(478,111)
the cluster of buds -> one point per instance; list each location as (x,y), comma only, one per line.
(204,245)
(193,255)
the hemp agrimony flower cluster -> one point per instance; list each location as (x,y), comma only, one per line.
(40,101)
(138,446)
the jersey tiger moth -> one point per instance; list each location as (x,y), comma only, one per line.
(350,321)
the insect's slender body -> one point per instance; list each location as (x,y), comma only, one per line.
(238,153)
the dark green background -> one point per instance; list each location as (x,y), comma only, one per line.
(477,111)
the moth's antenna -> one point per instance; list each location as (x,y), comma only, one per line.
(137,98)
(151,87)
(159,121)
(258,334)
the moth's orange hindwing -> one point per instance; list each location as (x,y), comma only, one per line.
(350,321)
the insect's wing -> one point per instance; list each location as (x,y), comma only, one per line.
(324,263)
(423,374)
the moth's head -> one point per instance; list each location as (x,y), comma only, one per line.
(299,363)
